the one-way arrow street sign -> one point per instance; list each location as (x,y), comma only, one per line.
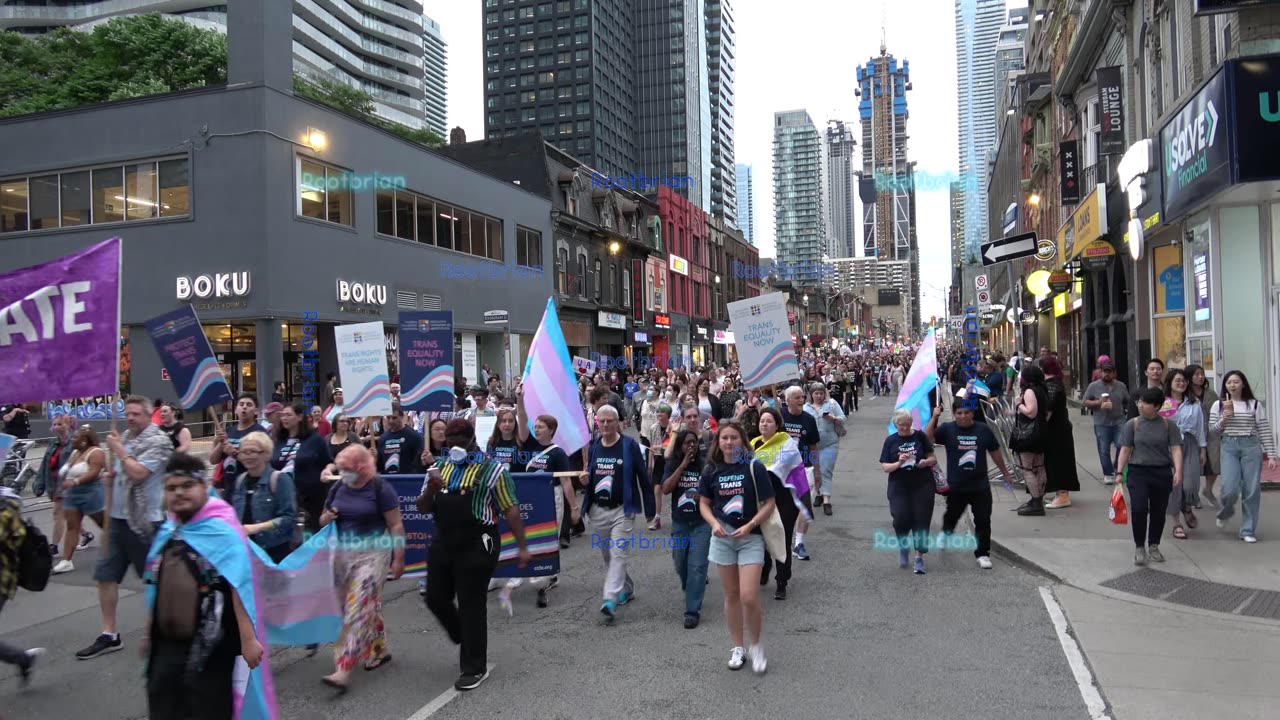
(1010,248)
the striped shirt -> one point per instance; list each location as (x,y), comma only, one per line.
(1250,419)
(488,483)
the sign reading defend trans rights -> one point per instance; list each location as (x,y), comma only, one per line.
(766,354)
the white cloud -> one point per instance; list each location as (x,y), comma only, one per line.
(802,54)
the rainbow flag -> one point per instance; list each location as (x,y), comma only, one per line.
(550,387)
(920,380)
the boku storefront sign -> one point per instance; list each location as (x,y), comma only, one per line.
(1086,224)
(1223,136)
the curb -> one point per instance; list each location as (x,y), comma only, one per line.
(1018,560)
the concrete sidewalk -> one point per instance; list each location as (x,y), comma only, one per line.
(1081,546)
(1188,638)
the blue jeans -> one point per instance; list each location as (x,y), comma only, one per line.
(1241,477)
(691,560)
(1108,437)
(827,457)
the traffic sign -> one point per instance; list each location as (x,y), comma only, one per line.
(1010,248)
(984,300)
(495,317)
(982,282)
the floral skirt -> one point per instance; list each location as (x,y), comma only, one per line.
(358,576)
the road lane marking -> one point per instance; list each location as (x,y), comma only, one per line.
(1075,658)
(440,701)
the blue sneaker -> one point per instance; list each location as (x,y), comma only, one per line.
(625,597)
(800,552)
(904,559)
(919,568)
(610,611)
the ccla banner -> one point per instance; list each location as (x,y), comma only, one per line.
(60,327)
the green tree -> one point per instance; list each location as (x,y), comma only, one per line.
(122,58)
(144,55)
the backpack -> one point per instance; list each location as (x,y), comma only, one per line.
(35,559)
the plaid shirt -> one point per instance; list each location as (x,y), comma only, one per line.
(12,533)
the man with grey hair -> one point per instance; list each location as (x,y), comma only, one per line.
(618,488)
(802,428)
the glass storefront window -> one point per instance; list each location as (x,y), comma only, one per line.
(1171,340)
(75,198)
(226,338)
(1169,301)
(1243,291)
(140,192)
(13,205)
(44,202)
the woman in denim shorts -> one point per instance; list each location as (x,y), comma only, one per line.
(80,482)
(735,499)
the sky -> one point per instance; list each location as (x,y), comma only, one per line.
(802,54)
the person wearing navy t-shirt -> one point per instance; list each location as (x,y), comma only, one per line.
(968,443)
(908,457)
(504,443)
(303,454)
(618,488)
(735,498)
(690,534)
(226,442)
(399,446)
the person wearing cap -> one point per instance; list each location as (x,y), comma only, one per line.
(272,414)
(968,443)
(1107,397)
(336,407)
(467,491)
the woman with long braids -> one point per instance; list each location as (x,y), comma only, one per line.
(1246,437)
(1189,418)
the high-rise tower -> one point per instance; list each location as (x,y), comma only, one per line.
(435,60)
(842,221)
(746,202)
(977,31)
(720,74)
(797,195)
(886,187)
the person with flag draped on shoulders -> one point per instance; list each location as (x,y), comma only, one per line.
(204,643)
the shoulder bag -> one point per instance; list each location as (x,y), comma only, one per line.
(775,535)
(1028,433)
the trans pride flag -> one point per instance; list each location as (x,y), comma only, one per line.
(920,380)
(290,604)
(550,387)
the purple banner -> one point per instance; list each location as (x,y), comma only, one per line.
(60,327)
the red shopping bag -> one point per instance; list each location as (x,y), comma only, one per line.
(1119,512)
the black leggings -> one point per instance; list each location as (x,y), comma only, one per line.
(1149,489)
(789,513)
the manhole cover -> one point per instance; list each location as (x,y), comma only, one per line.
(1202,594)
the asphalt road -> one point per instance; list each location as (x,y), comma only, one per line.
(857,638)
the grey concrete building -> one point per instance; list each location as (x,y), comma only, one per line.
(798,183)
(604,239)
(841,216)
(374,45)
(262,208)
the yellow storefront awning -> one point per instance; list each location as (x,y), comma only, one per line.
(1087,223)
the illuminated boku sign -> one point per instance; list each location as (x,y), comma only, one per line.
(218,285)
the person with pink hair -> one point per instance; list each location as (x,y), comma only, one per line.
(1097,370)
(370,538)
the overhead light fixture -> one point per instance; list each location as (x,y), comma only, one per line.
(1009,111)
(317,139)
(1034,199)
(614,247)
(1039,16)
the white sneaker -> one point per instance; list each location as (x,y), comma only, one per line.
(737,658)
(758,662)
(63,566)
(1249,539)
(984,562)
(1057,503)
(1109,480)
(1220,523)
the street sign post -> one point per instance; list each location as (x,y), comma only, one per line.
(495,317)
(981,282)
(1009,248)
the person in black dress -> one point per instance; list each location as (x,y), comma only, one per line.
(1060,446)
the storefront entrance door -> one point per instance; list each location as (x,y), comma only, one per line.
(246,376)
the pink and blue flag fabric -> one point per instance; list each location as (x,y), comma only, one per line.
(550,386)
(913,396)
(289,604)
(60,327)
